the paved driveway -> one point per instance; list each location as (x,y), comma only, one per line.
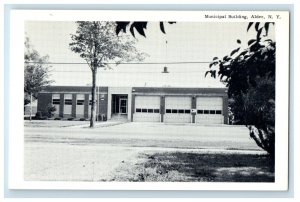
(86,154)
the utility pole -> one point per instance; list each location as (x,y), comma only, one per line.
(98,102)
(30,106)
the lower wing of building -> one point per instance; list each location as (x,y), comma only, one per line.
(138,104)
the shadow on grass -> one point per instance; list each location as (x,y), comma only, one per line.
(207,167)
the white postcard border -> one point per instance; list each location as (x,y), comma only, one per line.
(16,81)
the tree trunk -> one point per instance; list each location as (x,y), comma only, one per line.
(93,110)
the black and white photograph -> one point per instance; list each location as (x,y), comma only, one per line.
(144,101)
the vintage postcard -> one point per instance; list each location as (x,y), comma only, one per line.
(149,100)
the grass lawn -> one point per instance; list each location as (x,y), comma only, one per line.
(199,167)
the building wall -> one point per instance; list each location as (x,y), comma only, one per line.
(103,104)
(188,93)
(45,98)
(119,91)
(105,96)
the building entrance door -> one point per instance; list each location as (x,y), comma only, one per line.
(123,106)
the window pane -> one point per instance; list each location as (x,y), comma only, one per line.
(174,111)
(187,111)
(138,110)
(144,110)
(218,112)
(180,111)
(80,102)
(206,111)
(156,110)
(150,110)
(212,111)
(56,101)
(199,111)
(68,102)
(168,111)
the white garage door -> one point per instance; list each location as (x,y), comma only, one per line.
(178,110)
(147,109)
(209,110)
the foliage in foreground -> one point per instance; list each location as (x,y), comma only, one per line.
(249,75)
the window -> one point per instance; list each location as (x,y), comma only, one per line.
(68,102)
(56,101)
(181,111)
(147,110)
(90,102)
(174,111)
(80,102)
(212,111)
(199,111)
(156,110)
(187,111)
(178,111)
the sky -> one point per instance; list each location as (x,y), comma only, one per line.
(186,42)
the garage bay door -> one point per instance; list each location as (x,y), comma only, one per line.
(178,110)
(147,109)
(209,110)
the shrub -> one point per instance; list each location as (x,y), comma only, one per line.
(51,109)
(38,115)
(249,75)
(41,115)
